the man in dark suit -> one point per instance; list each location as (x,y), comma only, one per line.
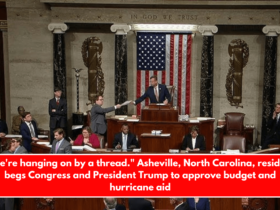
(60,145)
(98,122)
(139,204)
(28,130)
(19,149)
(125,140)
(193,141)
(3,128)
(179,204)
(273,123)
(111,204)
(57,112)
(157,93)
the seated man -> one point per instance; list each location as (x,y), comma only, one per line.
(125,140)
(157,93)
(29,131)
(60,145)
(3,128)
(193,141)
(19,149)
(273,123)
(17,120)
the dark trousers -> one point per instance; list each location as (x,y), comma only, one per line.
(273,139)
(6,203)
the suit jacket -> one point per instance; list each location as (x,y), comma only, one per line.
(64,147)
(139,204)
(163,94)
(203,204)
(26,135)
(98,122)
(131,140)
(3,127)
(184,206)
(93,139)
(274,127)
(21,150)
(200,142)
(60,114)
(119,207)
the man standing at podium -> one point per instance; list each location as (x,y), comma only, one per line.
(157,93)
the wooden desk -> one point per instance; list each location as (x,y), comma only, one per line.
(155,143)
(161,113)
(177,130)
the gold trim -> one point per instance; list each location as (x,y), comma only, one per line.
(3,24)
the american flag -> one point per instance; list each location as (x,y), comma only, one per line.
(169,57)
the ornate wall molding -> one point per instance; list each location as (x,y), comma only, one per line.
(269,82)
(59,63)
(271,30)
(58,28)
(120,29)
(207,73)
(121,92)
(208,30)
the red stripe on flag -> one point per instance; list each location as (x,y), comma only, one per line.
(155,72)
(138,91)
(147,80)
(180,68)
(163,77)
(171,58)
(188,78)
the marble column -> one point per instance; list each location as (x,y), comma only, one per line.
(121,91)
(270,70)
(207,73)
(59,64)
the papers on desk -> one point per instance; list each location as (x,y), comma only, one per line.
(160,104)
(77,148)
(89,148)
(231,151)
(13,136)
(165,134)
(156,132)
(125,103)
(43,143)
(205,118)
(173,151)
(120,117)
(136,150)
(75,127)
(194,121)
(132,120)
(42,136)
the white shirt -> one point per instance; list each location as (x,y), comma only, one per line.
(57,99)
(277,117)
(193,142)
(124,139)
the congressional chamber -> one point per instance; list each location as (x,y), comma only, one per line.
(183,77)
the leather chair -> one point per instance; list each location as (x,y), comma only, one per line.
(234,123)
(234,142)
(171,90)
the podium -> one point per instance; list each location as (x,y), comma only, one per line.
(160,112)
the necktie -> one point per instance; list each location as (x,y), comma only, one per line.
(57,101)
(124,146)
(31,130)
(156,93)
(56,147)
